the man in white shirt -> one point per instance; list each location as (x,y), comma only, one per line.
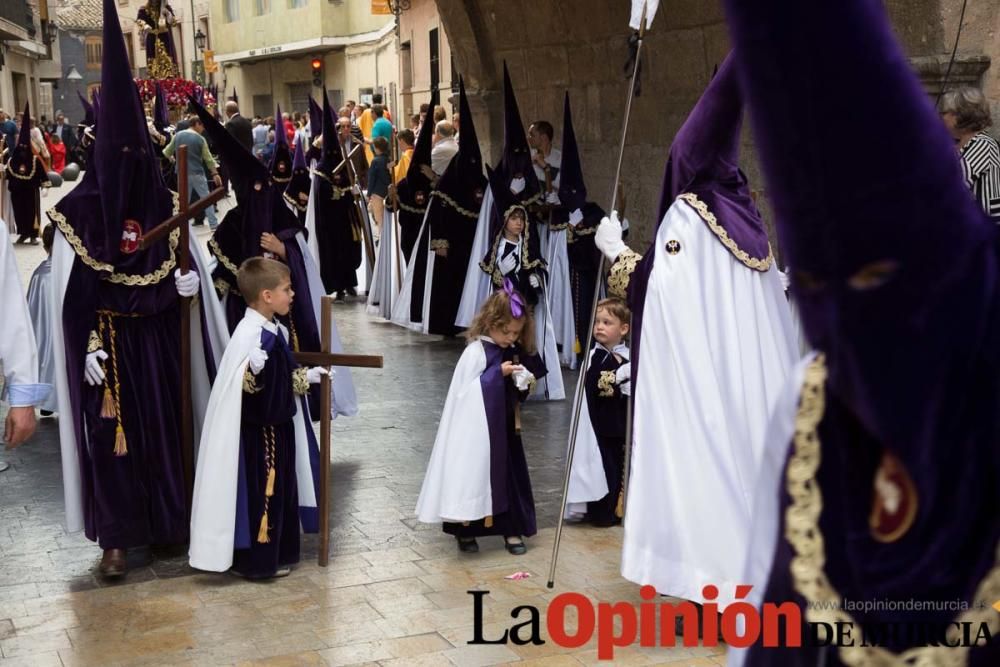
(445,146)
(545,158)
(18,353)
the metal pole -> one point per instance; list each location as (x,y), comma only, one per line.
(578,399)
(325,391)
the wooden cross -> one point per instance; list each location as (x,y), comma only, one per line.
(326,359)
(149,239)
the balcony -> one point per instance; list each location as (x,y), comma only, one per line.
(16,20)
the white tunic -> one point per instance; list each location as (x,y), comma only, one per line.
(717,348)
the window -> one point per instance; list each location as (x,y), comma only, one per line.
(232,8)
(435,59)
(261,7)
(95,50)
(298,93)
(454,73)
(297,4)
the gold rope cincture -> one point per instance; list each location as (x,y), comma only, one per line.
(111,403)
(269,454)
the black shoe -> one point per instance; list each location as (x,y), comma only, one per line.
(46,413)
(515,548)
(468,545)
(352,292)
(341,295)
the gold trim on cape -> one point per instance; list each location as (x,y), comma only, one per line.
(445,199)
(803,533)
(621,272)
(213,246)
(701,208)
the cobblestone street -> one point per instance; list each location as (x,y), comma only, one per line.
(395,591)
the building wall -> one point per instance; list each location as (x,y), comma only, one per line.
(365,62)
(415,26)
(581,47)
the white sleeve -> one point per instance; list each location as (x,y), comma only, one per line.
(18,351)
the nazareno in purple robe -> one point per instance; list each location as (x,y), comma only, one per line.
(896,274)
(123,300)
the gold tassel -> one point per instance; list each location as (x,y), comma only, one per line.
(108,409)
(620,508)
(270,483)
(489,521)
(121,449)
(262,537)
(577,348)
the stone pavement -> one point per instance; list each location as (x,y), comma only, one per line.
(395,591)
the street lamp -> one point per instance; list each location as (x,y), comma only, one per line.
(397,7)
(73,74)
(199,39)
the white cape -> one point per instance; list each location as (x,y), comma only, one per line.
(764,526)
(717,349)
(477,284)
(385,282)
(39,294)
(63,258)
(457,483)
(401,308)
(561,294)
(213,512)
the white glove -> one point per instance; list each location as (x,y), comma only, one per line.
(187,284)
(523,379)
(575,218)
(552,198)
(517,185)
(508,264)
(92,371)
(785,280)
(356,189)
(608,238)
(315,374)
(258,357)
(623,378)
(534,281)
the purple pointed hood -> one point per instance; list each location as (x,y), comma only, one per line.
(332,155)
(516,158)
(22,158)
(463,180)
(297,191)
(281,159)
(160,119)
(572,189)
(860,196)
(704,161)
(127,196)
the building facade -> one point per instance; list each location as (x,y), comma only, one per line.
(425,59)
(24,51)
(265,51)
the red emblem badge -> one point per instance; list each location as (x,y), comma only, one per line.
(419,197)
(479,195)
(131,236)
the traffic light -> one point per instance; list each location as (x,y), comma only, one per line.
(317,72)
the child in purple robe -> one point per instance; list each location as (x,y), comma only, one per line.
(596,493)
(256,483)
(477,480)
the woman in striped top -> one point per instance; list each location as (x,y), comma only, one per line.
(967,115)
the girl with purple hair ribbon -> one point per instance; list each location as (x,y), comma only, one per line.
(477,481)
